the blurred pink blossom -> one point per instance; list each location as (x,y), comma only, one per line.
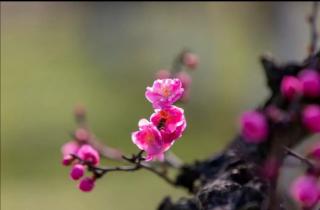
(191,60)
(89,154)
(311,118)
(82,134)
(87,184)
(77,171)
(163,74)
(305,190)
(254,127)
(291,87)
(310,80)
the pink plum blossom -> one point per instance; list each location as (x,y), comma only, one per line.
(310,80)
(164,92)
(149,139)
(77,171)
(89,154)
(191,60)
(87,184)
(305,191)
(70,147)
(311,118)
(171,123)
(67,150)
(254,127)
(291,87)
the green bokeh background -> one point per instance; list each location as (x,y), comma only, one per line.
(103,55)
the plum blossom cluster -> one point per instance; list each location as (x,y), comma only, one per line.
(166,125)
(306,84)
(254,124)
(154,137)
(80,156)
(305,189)
(186,61)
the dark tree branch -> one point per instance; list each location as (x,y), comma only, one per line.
(235,179)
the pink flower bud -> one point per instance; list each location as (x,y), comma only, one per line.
(82,134)
(70,147)
(67,160)
(310,81)
(87,184)
(311,118)
(89,154)
(191,60)
(315,151)
(163,74)
(305,191)
(77,171)
(291,87)
(254,127)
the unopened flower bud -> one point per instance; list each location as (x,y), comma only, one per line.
(87,184)
(163,74)
(311,118)
(77,171)
(67,160)
(254,127)
(305,191)
(82,134)
(190,60)
(310,80)
(291,87)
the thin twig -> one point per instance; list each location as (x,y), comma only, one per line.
(312,20)
(161,175)
(299,157)
(136,160)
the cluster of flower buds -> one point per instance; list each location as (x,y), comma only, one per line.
(254,124)
(306,84)
(166,124)
(80,156)
(188,60)
(305,190)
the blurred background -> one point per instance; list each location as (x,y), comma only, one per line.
(103,55)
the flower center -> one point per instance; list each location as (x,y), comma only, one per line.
(166,91)
(149,137)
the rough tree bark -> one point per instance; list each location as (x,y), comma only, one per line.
(233,180)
